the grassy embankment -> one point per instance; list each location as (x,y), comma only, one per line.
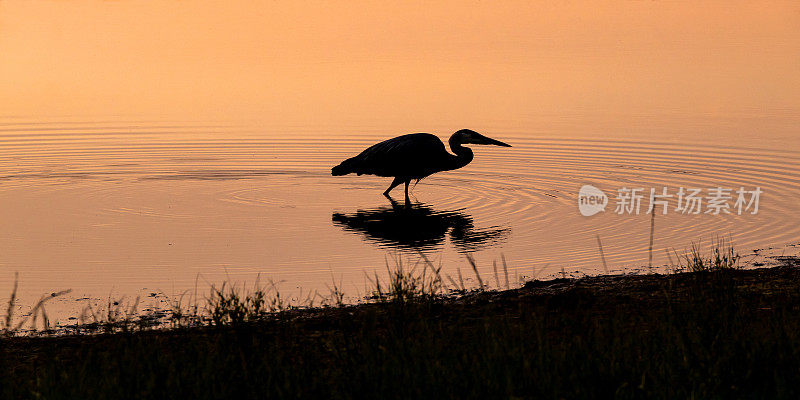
(714,331)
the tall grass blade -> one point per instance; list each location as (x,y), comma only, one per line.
(602,255)
(11,301)
(475,268)
(650,248)
(505,270)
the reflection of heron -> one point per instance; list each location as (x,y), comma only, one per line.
(413,157)
(418,227)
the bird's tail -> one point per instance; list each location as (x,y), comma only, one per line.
(344,168)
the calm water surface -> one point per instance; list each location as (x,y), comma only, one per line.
(152,147)
(129,208)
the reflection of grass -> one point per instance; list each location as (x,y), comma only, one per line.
(723,333)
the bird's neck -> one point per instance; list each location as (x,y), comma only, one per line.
(463,155)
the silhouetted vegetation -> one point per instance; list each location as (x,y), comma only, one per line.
(714,333)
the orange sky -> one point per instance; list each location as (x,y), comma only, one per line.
(320,61)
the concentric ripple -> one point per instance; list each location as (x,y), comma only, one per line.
(133,205)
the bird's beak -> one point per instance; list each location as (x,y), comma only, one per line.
(486,140)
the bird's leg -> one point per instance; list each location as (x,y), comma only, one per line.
(394,184)
(395,206)
(408,201)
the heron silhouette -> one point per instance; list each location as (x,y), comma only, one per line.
(413,157)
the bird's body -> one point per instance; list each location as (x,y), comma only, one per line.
(413,157)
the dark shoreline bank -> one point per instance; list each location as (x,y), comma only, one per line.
(729,333)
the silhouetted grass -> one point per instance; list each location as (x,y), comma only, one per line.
(721,256)
(38,311)
(716,333)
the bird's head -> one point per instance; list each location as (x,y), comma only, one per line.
(468,136)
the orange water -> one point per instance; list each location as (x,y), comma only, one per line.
(145,144)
